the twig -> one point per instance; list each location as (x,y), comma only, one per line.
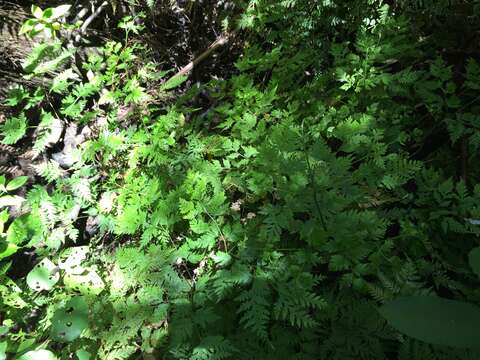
(87,22)
(92,17)
(222,40)
(81,14)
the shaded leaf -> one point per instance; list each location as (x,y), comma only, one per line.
(474,260)
(173,82)
(435,320)
(69,321)
(83,354)
(7,250)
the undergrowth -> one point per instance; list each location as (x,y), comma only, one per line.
(331,173)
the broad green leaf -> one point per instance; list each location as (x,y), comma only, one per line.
(63,80)
(474,260)
(60,11)
(37,12)
(83,354)
(11,200)
(435,320)
(10,294)
(3,350)
(69,321)
(41,354)
(27,345)
(47,14)
(19,181)
(88,283)
(71,258)
(27,26)
(3,219)
(108,97)
(43,276)
(7,250)
(24,228)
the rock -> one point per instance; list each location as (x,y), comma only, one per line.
(91,227)
(74,212)
(4,158)
(56,131)
(69,139)
(69,155)
(65,160)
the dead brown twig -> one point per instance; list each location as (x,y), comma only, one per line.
(221,40)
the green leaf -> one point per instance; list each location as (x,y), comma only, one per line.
(83,354)
(37,12)
(60,11)
(71,259)
(3,350)
(43,276)
(173,82)
(28,26)
(26,345)
(9,250)
(63,80)
(4,268)
(19,181)
(10,294)
(69,321)
(222,258)
(13,129)
(11,200)
(16,95)
(88,283)
(474,260)
(41,354)
(435,320)
(3,219)
(47,14)
(24,228)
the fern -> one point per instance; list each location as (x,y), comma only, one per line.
(13,129)
(47,127)
(255,308)
(213,347)
(50,170)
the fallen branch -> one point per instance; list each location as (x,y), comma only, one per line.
(83,11)
(92,17)
(222,40)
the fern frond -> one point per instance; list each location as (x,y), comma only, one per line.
(50,170)
(255,308)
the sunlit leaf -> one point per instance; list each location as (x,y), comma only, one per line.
(19,181)
(43,276)
(60,11)
(41,354)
